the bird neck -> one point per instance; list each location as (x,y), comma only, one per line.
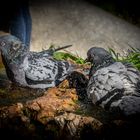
(97,66)
(19,59)
(15,58)
(104,63)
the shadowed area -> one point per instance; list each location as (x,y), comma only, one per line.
(60,112)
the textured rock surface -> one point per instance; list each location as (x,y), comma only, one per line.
(58,114)
(54,112)
(81,24)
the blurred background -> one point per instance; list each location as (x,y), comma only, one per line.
(85,23)
(127,9)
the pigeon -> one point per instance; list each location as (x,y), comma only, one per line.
(115,86)
(32,69)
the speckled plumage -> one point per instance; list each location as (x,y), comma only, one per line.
(31,69)
(113,85)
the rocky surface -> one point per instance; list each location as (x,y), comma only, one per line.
(81,24)
(52,115)
(57,113)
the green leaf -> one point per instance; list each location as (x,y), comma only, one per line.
(67,56)
(132,57)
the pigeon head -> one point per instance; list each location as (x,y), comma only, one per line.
(11,47)
(99,57)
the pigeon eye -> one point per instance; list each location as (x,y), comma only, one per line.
(2,43)
(16,46)
(92,56)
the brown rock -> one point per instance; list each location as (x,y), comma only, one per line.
(75,124)
(55,100)
(51,114)
(58,114)
(10,111)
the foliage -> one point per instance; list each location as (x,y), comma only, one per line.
(61,55)
(68,56)
(132,57)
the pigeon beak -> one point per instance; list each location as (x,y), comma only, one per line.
(87,59)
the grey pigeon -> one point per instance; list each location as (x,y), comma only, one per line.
(32,69)
(115,86)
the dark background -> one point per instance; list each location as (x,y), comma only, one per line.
(126,9)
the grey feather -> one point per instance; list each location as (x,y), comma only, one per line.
(32,69)
(113,84)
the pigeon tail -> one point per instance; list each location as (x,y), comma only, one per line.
(62,48)
(53,49)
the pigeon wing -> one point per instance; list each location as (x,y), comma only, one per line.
(105,82)
(46,71)
(41,71)
(109,84)
(133,80)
